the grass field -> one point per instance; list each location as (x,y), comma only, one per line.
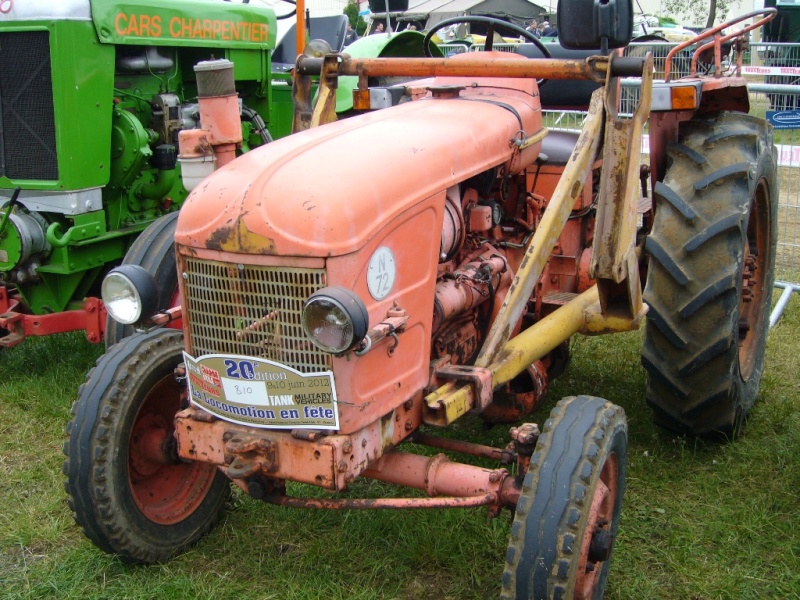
(700,521)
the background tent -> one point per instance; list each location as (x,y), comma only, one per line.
(519,12)
(426,13)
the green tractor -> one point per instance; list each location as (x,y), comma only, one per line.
(94,96)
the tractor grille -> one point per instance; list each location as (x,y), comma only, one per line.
(251,310)
(27,122)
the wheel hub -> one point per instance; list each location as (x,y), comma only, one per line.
(148,449)
(598,540)
(752,298)
(600,546)
(163,487)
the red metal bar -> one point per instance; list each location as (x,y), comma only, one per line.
(722,39)
(7,303)
(368,503)
(91,318)
(436,475)
(463,447)
(770,13)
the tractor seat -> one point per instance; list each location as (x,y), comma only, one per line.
(558,146)
(332,29)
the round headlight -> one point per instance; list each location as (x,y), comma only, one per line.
(130,293)
(335,319)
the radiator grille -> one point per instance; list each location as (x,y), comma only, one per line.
(252,310)
(27,121)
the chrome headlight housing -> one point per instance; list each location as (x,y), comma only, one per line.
(130,294)
(335,319)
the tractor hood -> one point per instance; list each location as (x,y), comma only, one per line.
(327,191)
(200,23)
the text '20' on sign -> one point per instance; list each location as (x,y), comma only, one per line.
(261,393)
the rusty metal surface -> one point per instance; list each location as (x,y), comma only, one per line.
(614,263)
(426,439)
(619,188)
(480,381)
(328,461)
(394,323)
(497,64)
(542,337)
(515,400)
(225,319)
(388,503)
(523,440)
(91,318)
(438,475)
(567,193)
(301,100)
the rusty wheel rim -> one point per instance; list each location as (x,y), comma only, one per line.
(164,489)
(753,295)
(598,538)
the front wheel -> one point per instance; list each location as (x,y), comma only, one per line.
(127,487)
(568,512)
(711,272)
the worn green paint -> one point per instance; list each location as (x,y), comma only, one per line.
(406,44)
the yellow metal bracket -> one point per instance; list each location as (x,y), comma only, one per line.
(447,404)
(614,263)
(325,107)
(323,111)
(541,245)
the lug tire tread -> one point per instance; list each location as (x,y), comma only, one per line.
(691,351)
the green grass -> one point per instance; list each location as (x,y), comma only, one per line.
(700,521)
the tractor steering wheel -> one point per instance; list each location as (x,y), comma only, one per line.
(491,23)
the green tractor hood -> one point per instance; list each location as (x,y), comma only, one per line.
(406,44)
(202,23)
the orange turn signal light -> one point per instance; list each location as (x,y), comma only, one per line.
(684,98)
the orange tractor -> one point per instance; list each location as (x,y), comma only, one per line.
(345,286)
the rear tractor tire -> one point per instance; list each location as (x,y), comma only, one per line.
(567,516)
(127,487)
(711,273)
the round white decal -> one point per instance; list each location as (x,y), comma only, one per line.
(381,273)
